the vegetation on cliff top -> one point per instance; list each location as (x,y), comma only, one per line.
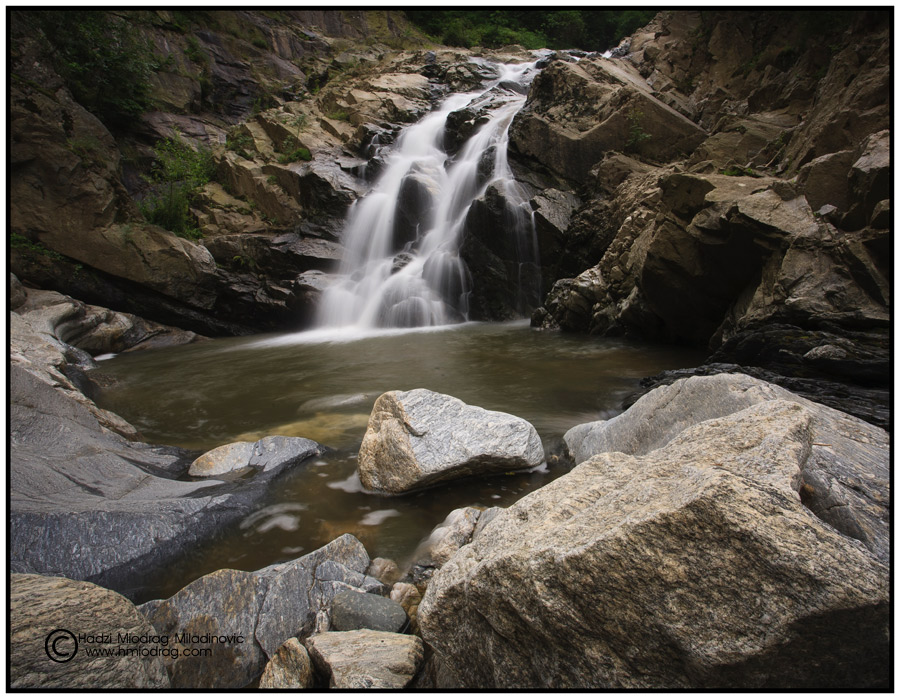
(592,30)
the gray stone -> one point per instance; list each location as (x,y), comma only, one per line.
(44,614)
(270,455)
(419,438)
(850,492)
(17,292)
(714,561)
(263,608)
(353,610)
(366,659)
(289,668)
(76,487)
(225,459)
(274,454)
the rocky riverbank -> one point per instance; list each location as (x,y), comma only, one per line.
(723,180)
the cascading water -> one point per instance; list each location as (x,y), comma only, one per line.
(402,265)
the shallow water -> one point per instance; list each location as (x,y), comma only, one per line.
(322,385)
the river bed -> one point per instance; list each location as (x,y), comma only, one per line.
(322,385)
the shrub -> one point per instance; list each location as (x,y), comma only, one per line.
(300,153)
(636,134)
(177,174)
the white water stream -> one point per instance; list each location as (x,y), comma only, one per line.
(402,266)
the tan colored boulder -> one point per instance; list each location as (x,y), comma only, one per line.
(713,561)
(66,634)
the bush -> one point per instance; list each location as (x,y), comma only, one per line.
(300,153)
(177,174)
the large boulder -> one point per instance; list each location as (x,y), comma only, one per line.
(60,628)
(416,439)
(366,659)
(255,612)
(732,556)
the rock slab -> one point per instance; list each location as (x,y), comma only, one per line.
(709,562)
(366,659)
(352,610)
(48,610)
(416,439)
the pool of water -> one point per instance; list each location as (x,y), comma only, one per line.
(322,386)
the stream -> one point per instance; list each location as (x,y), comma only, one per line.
(322,384)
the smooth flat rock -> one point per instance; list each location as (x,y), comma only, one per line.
(269,455)
(352,610)
(47,616)
(366,659)
(418,438)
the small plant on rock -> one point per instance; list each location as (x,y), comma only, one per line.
(636,134)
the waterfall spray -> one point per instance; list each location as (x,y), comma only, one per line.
(402,266)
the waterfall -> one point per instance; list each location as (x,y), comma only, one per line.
(402,265)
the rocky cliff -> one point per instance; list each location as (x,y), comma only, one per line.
(734,170)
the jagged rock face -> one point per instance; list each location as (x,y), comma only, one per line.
(47,609)
(723,255)
(576,112)
(625,573)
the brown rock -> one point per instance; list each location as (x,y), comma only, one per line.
(55,625)
(289,668)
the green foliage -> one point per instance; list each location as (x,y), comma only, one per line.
(737,171)
(300,153)
(103,60)
(195,52)
(177,175)
(592,30)
(636,134)
(259,42)
(339,115)
(240,142)
(17,241)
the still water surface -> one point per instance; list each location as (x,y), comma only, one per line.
(322,385)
